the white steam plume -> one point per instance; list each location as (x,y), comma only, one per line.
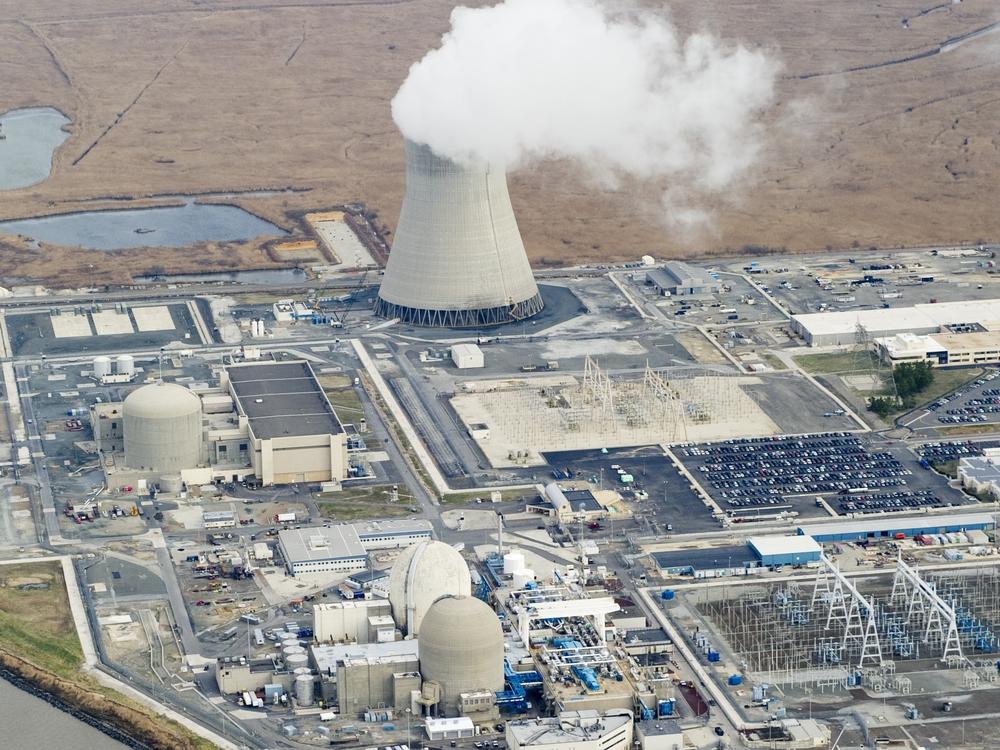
(617,91)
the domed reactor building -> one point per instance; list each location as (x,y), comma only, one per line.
(457,260)
(421,575)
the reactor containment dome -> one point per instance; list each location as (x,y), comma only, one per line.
(461,648)
(457,259)
(421,575)
(162,428)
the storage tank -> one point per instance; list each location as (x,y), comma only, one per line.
(289,650)
(421,575)
(304,690)
(522,577)
(461,648)
(294,661)
(289,641)
(512,563)
(457,259)
(125,364)
(301,670)
(171,483)
(102,366)
(162,426)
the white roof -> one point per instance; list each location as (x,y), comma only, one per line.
(784,545)
(923,316)
(466,349)
(460,723)
(326,657)
(891,524)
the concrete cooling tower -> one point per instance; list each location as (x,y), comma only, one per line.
(457,259)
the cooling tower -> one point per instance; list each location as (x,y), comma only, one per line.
(457,259)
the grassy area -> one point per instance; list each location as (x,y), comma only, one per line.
(340,390)
(774,362)
(833,362)
(946,381)
(968,429)
(370,501)
(947,468)
(36,623)
(464,498)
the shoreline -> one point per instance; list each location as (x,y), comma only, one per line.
(111,730)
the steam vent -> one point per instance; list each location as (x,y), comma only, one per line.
(457,259)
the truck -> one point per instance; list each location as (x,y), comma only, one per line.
(285,518)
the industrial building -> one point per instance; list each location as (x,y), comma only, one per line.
(677,279)
(564,504)
(873,529)
(573,730)
(457,259)
(972,347)
(467,356)
(218,519)
(294,433)
(345,547)
(659,734)
(707,562)
(162,429)
(420,576)
(981,474)
(785,550)
(840,328)
(359,677)
(354,621)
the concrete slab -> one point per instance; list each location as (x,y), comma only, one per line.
(341,240)
(155,318)
(112,322)
(70,326)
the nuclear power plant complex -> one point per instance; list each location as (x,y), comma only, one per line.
(397,489)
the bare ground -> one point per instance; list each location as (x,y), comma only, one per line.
(869,143)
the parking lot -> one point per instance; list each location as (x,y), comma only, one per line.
(975,403)
(952,450)
(669,500)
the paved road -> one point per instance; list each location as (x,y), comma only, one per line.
(188,639)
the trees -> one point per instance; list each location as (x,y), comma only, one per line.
(882,405)
(912,377)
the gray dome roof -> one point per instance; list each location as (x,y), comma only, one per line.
(461,647)
(422,574)
(161,401)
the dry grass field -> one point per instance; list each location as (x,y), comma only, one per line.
(221,96)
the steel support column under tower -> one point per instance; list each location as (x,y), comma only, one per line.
(926,604)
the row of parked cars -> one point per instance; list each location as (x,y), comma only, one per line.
(888,501)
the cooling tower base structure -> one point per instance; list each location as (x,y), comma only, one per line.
(477,318)
(457,260)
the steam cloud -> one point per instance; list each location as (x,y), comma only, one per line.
(618,90)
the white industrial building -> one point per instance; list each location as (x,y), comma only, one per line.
(981,474)
(973,347)
(467,356)
(344,547)
(354,621)
(457,259)
(839,328)
(659,734)
(218,519)
(573,730)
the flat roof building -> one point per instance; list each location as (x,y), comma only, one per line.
(344,547)
(294,432)
(707,562)
(675,278)
(839,328)
(785,550)
(887,528)
(218,519)
(981,474)
(659,734)
(572,730)
(974,347)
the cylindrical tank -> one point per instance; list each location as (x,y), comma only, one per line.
(512,563)
(162,426)
(102,366)
(294,661)
(522,577)
(125,364)
(289,641)
(295,649)
(171,483)
(461,648)
(301,670)
(304,690)
(457,259)
(667,594)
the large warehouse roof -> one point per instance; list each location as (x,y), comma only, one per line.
(918,318)
(880,526)
(769,546)
(283,399)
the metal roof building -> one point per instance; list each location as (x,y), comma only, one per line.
(886,528)
(457,259)
(785,550)
(681,279)
(344,547)
(706,562)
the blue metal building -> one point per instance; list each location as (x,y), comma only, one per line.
(873,529)
(785,550)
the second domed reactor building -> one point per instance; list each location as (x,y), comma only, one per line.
(457,259)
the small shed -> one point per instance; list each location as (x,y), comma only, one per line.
(467,356)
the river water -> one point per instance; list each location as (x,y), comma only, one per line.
(30,722)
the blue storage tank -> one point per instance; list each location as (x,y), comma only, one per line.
(667,594)
(713,656)
(735,679)
(664,709)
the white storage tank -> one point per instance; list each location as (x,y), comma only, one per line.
(294,661)
(289,641)
(102,366)
(294,649)
(162,426)
(512,563)
(125,364)
(304,689)
(522,577)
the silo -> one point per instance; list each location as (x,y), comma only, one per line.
(125,364)
(513,562)
(102,366)
(162,426)
(294,661)
(461,648)
(457,259)
(304,690)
